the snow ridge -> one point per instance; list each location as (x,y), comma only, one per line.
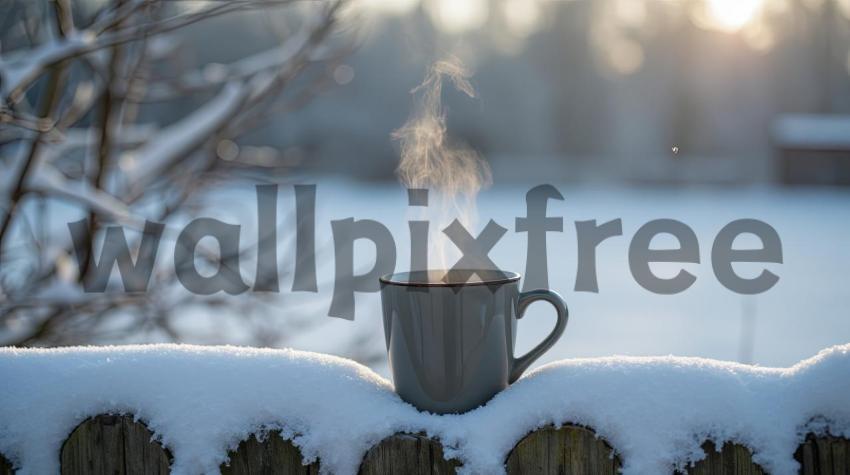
(201,401)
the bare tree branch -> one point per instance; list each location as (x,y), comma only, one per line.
(73,134)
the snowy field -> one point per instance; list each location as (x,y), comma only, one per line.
(201,401)
(805,312)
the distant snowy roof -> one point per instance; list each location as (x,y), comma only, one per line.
(812,132)
(201,401)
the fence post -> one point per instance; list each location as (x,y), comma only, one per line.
(824,455)
(567,449)
(113,444)
(5,466)
(731,459)
(273,455)
(410,454)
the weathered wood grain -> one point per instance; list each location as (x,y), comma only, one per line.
(824,455)
(271,456)
(409,454)
(565,450)
(116,444)
(5,466)
(732,459)
(113,445)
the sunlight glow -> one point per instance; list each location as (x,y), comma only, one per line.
(732,15)
(630,13)
(522,16)
(458,16)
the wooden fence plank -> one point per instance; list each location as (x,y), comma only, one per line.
(824,455)
(5,466)
(568,449)
(272,456)
(113,445)
(410,454)
(732,459)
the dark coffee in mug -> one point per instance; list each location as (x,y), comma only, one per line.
(450,335)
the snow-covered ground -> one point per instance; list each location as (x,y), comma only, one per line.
(201,401)
(805,312)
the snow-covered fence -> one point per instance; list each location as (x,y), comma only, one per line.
(115,444)
(192,410)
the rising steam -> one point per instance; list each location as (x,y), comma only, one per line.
(429,159)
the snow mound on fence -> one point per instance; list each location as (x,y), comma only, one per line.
(201,401)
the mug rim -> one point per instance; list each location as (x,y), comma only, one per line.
(395,278)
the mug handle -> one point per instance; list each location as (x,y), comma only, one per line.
(519,365)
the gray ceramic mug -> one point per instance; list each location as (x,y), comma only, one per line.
(450,336)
